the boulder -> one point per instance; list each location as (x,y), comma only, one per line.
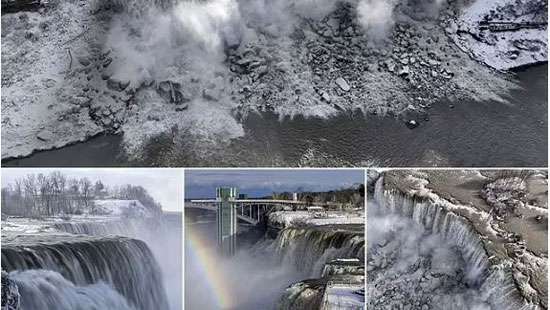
(325,96)
(404,72)
(412,124)
(172,92)
(211,94)
(44,135)
(83,60)
(10,293)
(343,84)
(117,85)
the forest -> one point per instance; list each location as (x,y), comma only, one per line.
(38,195)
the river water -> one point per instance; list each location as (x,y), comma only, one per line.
(469,133)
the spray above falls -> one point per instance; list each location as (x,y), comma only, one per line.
(451,251)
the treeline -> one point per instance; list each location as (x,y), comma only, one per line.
(352,196)
(37,195)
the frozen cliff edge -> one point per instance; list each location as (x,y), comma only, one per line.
(505,276)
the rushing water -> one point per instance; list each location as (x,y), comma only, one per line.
(409,265)
(46,289)
(468,134)
(422,241)
(163,237)
(98,268)
(86,261)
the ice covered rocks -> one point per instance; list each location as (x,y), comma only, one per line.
(44,135)
(116,84)
(10,293)
(343,84)
(172,92)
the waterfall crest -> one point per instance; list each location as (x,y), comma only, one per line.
(84,261)
(309,249)
(492,274)
(120,227)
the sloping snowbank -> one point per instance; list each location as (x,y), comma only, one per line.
(503,48)
(121,208)
(283,219)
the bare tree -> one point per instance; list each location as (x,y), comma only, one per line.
(73,193)
(99,189)
(30,195)
(86,192)
(58,182)
(55,194)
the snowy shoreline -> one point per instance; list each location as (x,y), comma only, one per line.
(54,97)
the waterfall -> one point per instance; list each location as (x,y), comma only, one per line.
(161,235)
(84,261)
(309,249)
(46,289)
(128,227)
(495,280)
(307,294)
(313,251)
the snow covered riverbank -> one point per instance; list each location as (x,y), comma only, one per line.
(72,71)
(284,219)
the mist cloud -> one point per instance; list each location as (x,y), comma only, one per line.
(418,259)
(376,17)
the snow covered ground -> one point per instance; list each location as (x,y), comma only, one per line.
(283,219)
(503,50)
(43,103)
(341,296)
(72,70)
(110,209)
(24,225)
(517,238)
(119,207)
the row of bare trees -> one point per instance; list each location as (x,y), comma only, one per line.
(37,195)
(353,196)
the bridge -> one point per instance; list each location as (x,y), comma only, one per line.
(229,209)
(247,210)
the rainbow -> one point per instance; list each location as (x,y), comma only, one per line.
(208,263)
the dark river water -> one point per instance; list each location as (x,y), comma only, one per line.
(480,134)
(471,134)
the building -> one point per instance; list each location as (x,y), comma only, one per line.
(227,220)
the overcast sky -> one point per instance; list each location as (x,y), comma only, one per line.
(255,183)
(164,185)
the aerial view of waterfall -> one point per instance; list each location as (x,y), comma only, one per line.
(457,239)
(101,239)
(274,239)
(279,83)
